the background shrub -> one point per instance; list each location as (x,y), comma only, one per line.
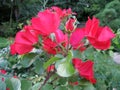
(110,15)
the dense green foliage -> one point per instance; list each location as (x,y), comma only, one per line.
(116,42)
(30,70)
(110,15)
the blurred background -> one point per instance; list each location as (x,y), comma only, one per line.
(14,14)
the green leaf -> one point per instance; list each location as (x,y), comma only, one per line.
(3,62)
(89,53)
(61,88)
(77,88)
(16,83)
(101,83)
(39,67)
(64,67)
(13,84)
(77,54)
(69,56)
(26,85)
(4,42)
(50,61)
(9,84)
(62,81)
(2,85)
(28,59)
(47,87)
(87,85)
(36,86)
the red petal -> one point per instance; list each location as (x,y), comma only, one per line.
(76,62)
(91,27)
(60,37)
(103,45)
(25,37)
(106,34)
(21,48)
(12,49)
(49,46)
(57,10)
(85,69)
(47,22)
(76,37)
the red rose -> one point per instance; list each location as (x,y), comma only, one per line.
(76,38)
(99,37)
(61,37)
(47,22)
(24,41)
(61,13)
(57,10)
(70,24)
(49,46)
(85,69)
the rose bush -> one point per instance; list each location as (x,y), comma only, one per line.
(57,38)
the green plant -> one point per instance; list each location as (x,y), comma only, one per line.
(4,42)
(116,41)
(55,54)
(110,15)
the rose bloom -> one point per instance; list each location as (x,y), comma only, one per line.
(85,69)
(99,37)
(24,41)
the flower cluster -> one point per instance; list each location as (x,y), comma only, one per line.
(55,31)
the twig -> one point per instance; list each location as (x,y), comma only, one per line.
(47,78)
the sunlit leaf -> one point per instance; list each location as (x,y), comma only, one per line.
(50,61)
(64,67)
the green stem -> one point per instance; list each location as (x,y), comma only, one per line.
(68,43)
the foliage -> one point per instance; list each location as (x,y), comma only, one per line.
(8,30)
(33,71)
(4,42)
(55,58)
(15,12)
(106,72)
(110,15)
(116,42)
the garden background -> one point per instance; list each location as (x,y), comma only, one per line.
(14,14)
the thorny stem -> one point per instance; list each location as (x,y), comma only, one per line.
(54,79)
(47,78)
